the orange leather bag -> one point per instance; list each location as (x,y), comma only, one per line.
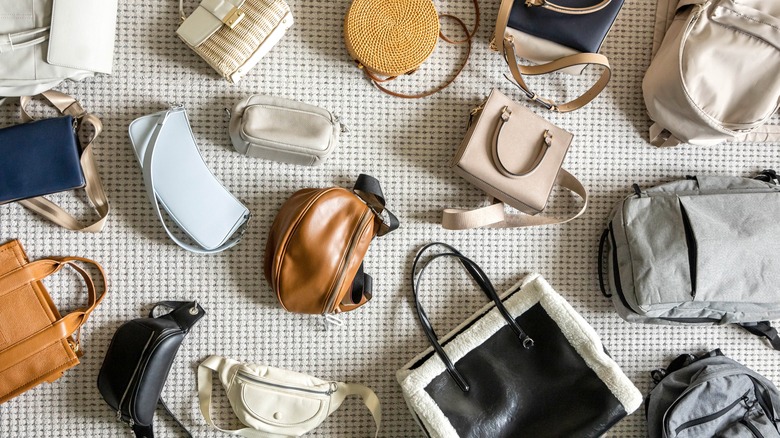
(36,342)
(314,255)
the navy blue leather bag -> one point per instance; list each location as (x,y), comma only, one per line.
(46,156)
(39,158)
(556,35)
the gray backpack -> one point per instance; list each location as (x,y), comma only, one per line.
(711,396)
(699,250)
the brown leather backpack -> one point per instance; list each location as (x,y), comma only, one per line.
(314,255)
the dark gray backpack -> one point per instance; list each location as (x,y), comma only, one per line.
(711,396)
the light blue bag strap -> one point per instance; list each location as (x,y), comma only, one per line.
(148,165)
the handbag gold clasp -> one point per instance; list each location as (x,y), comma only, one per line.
(233,17)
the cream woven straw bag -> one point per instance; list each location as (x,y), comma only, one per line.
(394,37)
(233,35)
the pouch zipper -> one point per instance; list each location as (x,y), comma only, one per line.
(332,386)
(756,433)
(690,243)
(130,383)
(616,271)
(713,416)
(364,221)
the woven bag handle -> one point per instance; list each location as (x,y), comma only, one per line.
(467,40)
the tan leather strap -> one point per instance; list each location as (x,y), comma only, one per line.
(518,70)
(61,328)
(376,80)
(566,9)
(494,215)
(94,186)
(545,143)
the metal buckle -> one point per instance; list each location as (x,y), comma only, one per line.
(233,17)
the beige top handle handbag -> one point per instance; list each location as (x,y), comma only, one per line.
(547,30)
(697,98)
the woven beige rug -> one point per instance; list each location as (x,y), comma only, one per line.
(407,144)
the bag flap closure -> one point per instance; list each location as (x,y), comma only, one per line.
(283,398)
(82,34)
(208,18)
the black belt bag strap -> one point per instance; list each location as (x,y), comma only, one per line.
(138,361)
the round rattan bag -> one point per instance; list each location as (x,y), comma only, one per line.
(394,37)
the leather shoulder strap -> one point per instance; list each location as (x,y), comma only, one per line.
(507,44)
(148,165)
(94,186)
(494,215)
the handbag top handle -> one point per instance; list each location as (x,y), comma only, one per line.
(482,281)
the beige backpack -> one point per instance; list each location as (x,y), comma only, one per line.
(715,75)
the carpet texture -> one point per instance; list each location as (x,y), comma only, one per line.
(407,145)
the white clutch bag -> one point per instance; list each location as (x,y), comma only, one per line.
(177,178)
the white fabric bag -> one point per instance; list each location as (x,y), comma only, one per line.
(714,76)
(43,42)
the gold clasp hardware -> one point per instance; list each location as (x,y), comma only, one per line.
(534,3)
(506,112)
(548,138)
(234,17)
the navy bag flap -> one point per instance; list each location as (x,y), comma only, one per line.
(39,158)
(583,33)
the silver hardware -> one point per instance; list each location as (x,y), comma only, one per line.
(528,343)
(330,319)
(333,388)
(227,111)
(194,309)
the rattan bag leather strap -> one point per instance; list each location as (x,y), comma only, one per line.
(377,80)
(94,186)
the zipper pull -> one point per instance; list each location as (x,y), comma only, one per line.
(333,388)
(119,416)
(337,119)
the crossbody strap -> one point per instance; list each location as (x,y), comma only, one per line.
(148,165)
(517,70)
(377,81)
(63,327)
(217,364)
(495,216)
(763,329)
(94,186)
(546,4)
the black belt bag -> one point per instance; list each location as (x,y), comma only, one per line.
(138,361)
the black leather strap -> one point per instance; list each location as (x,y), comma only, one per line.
(143,431)
(161,403)
(767,175)
(362,285)
(602,243)
(765,329)
(370,191)
(185,313)
(482,281)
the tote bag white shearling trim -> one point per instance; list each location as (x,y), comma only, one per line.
(533,289)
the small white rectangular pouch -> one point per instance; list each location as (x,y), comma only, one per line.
(283,130)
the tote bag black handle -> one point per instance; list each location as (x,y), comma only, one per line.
(484,283)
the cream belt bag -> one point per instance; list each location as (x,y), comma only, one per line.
(276,403)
